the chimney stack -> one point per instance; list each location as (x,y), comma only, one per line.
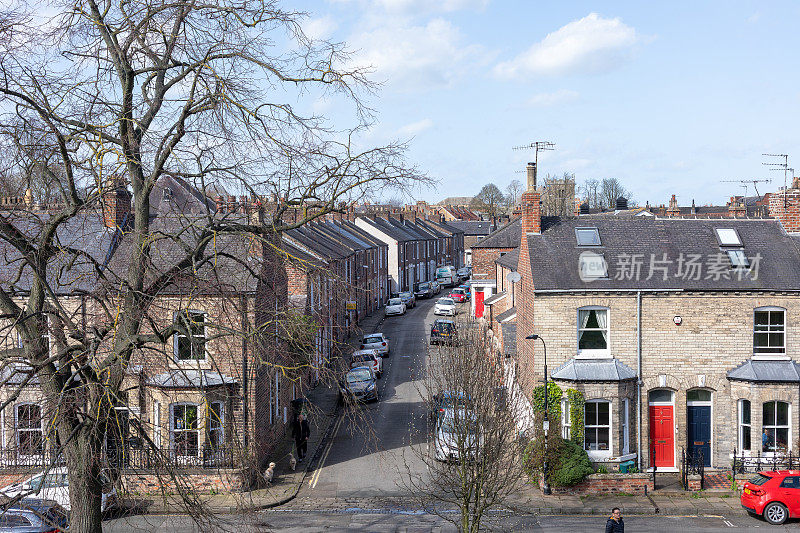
(116,204)
(531,176)
(785,206)
(673,210)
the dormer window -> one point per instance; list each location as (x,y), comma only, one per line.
(167,192)
(587,236)
(728,237)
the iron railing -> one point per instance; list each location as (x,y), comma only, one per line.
(146,457)
(692,463)
(38,457)
(744,463)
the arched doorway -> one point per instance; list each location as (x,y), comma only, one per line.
(662,428)
(698,423)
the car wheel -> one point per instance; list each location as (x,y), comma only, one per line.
(776,513)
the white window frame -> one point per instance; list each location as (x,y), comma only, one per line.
(157,423)
(172,430)
(17,429)
(626,426)
(600,454)
(770,356)
(177,336)
(566,419)
(741,424)
(593,353)
(788,427)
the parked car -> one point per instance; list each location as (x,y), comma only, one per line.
(436,287)
(394,307)
(445,306)
(408,299)
(34,515)
(443,331)
(448,400)
(423,290)
(463,273)
(54,485)
(446,275)
(455,435)
(360,384)
(376,341)
(773,495)
(369,358)
(458,294)
(467,291)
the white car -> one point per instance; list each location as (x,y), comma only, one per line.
(445,306)
(55,486)
(369,358)
(395,306)
(455,436)
(376,341)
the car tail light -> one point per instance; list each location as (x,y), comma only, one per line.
(756,492)
(363,346)
(435,331)
(383,344)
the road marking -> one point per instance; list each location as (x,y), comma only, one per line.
(315,477)
(728,523)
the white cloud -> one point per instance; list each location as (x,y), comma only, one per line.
(414,57)
(549,99)
(320,28)
(442,6)
(409,130)
(752,19)
(589,45)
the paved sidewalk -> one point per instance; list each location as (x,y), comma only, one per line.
(287,483)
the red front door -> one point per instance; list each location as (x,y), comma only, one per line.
(662,435)
(478,304)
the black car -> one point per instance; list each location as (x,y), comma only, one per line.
(33,515)
(423,290)
(443,331)
(358,385)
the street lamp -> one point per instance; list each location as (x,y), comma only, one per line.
(546,425)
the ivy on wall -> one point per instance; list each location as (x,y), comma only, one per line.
(554,394)
(576,414)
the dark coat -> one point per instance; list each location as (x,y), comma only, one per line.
(301,430)
(612,526)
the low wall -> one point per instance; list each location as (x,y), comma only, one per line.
(614,483)
(201,481)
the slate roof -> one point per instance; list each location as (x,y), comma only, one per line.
(190,379)
(555,256)
(473,227)
(509,337)
(766,371)
(593,370)
(505,315)
(508,236)
(509,260)
(494,298)
(182,198)
(397,233)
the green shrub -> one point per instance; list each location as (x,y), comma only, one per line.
(602,469)
(568,462)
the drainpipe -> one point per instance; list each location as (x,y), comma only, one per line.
(639,378)
(245,371)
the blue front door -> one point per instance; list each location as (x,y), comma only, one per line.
(700,431)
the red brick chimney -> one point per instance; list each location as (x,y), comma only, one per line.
(785,206)
(736,207)
(531,207)
(673,210)
(117,204)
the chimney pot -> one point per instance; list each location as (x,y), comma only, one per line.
(531,168)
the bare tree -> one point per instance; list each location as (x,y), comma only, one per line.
(591,192)
(471,454)
(489,200)
(611,190)
(513,192)
(113,99)
(558,195)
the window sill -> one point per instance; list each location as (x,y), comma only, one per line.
(771,357)
(599,455)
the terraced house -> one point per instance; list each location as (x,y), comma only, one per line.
(682,335)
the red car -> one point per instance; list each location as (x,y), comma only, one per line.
(458,295)
(775,495)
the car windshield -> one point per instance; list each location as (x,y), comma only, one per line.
(363,357)
(759,479)
(423,287)
(359,376)
(444,326)
(405,295)
(373,339)
(445,301)
(395,301)
(458,291)
(450,424)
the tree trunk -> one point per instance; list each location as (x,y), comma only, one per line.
(85,488)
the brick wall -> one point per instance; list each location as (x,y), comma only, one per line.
(202,481)
(785,206)
(609,484)
(483,266)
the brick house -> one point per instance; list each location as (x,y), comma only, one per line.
(404,250)
(681,334)
(474,231)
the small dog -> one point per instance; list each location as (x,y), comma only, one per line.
(269,473)
(292,461)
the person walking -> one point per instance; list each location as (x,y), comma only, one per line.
(615,523)
(301,431)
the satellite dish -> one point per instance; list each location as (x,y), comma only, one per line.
(513,277)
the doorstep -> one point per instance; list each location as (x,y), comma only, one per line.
(664,470)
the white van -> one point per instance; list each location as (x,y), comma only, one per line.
(446,276)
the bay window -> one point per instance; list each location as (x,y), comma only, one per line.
(597,425)
(184,429)
(745,442)
(775,426)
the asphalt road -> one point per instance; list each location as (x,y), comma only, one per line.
(318,521)
(369,453)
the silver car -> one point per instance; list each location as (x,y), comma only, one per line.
(376,341)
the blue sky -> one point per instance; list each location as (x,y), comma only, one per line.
(670,98)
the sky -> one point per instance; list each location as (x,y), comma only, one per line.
(667,97)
